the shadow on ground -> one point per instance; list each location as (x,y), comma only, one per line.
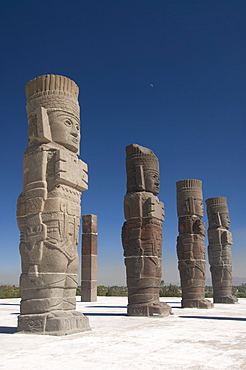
(8,329)
(104,314)
(214,318)
(176,306)
(107,306)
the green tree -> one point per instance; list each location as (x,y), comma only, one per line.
(102,290)
(169,290)
(119,291)
(9,291)
(78,291)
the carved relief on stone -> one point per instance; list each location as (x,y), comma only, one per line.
(48,209)
(190,243)
(219,249)
(142,233)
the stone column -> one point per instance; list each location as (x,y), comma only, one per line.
(219,249)
(190,244)
(89,259)
(48,209)
(142,233)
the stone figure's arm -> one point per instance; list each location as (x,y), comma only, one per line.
(199,227)
(67,168)
(155,208)
(226,237)
(30,206)
(35,184)
(214,247)
(133,206)
(179,248)
(214,236)
(185,225)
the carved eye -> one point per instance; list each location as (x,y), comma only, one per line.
(77,127)
(68,122)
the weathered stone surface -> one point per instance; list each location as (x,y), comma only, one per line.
(219,249)
(48,209)
(89,224)
(190,244)
(142,233)
(89,259)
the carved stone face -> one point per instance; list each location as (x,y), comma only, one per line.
(198,207)
(65,129)
(225,220)
(152,181)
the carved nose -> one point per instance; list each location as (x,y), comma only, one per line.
(74,131)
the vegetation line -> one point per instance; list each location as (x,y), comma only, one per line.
(11,291)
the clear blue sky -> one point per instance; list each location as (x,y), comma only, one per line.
(193,118)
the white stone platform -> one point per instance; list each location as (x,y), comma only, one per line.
(189,339)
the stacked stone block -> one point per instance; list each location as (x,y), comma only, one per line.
(89,259)
(190,244)
(142,233)
(48,209)
(219,249)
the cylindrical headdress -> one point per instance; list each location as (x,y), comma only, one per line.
(188,191)
(52,92)
(216,206)
(45,94)
(139,160)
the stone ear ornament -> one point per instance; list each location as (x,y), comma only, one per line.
(216,219)
(43,126)
(140,177)
(191,205)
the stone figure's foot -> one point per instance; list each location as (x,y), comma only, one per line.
(197,303)
(159,309)
(230,299)
(53,323)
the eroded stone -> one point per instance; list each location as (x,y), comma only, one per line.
(48,209)
(142,233)
(190,244)
(89,259)
(219,249)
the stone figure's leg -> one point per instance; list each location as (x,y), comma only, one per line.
(193,284)
(44,292)
(71,283)
(143,281)
(222,284)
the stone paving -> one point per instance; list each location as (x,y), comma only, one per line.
(188,339)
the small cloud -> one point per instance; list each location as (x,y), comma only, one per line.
(151,85)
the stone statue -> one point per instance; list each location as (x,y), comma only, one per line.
(142,233)
(190,244)
(48,210)
(219,249)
